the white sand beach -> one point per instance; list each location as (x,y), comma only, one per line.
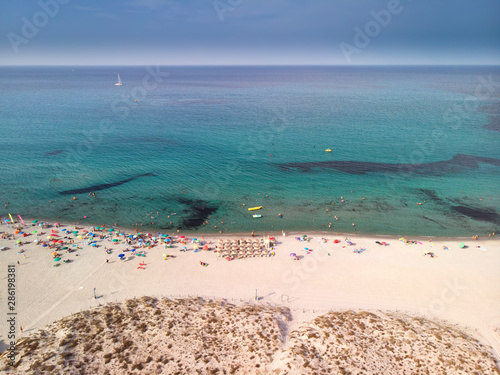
(457,285)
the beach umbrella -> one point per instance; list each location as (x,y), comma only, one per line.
(116,240)
(461,245)
(54,253)
(75,232)
(336,241)
(35,231)
(57,259)
(293,254)
(60,241)
(64,229)
(44,245)
(65,248)
(94,245)
(205,247)
(121,255)
(111,229)
(35,221)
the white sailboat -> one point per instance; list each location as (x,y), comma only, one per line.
(119,83)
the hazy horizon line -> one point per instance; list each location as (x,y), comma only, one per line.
(243,65)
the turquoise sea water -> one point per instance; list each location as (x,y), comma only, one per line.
(203,141)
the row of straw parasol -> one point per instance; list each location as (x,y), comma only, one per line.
(242,248)
(244,253)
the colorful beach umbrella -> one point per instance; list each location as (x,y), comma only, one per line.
(461,245)
(35,221)
(57,259)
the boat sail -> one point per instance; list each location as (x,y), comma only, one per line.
(119,83)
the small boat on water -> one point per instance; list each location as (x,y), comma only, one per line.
(328,150)
(256,216)
(119,83)
(254,208)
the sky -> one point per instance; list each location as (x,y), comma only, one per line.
(250,32)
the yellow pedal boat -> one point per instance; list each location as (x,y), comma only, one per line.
(254,208)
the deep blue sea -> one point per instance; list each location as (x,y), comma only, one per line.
(197,146)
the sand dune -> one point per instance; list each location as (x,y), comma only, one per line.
(195,336)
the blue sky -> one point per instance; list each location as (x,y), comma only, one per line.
(199,32)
